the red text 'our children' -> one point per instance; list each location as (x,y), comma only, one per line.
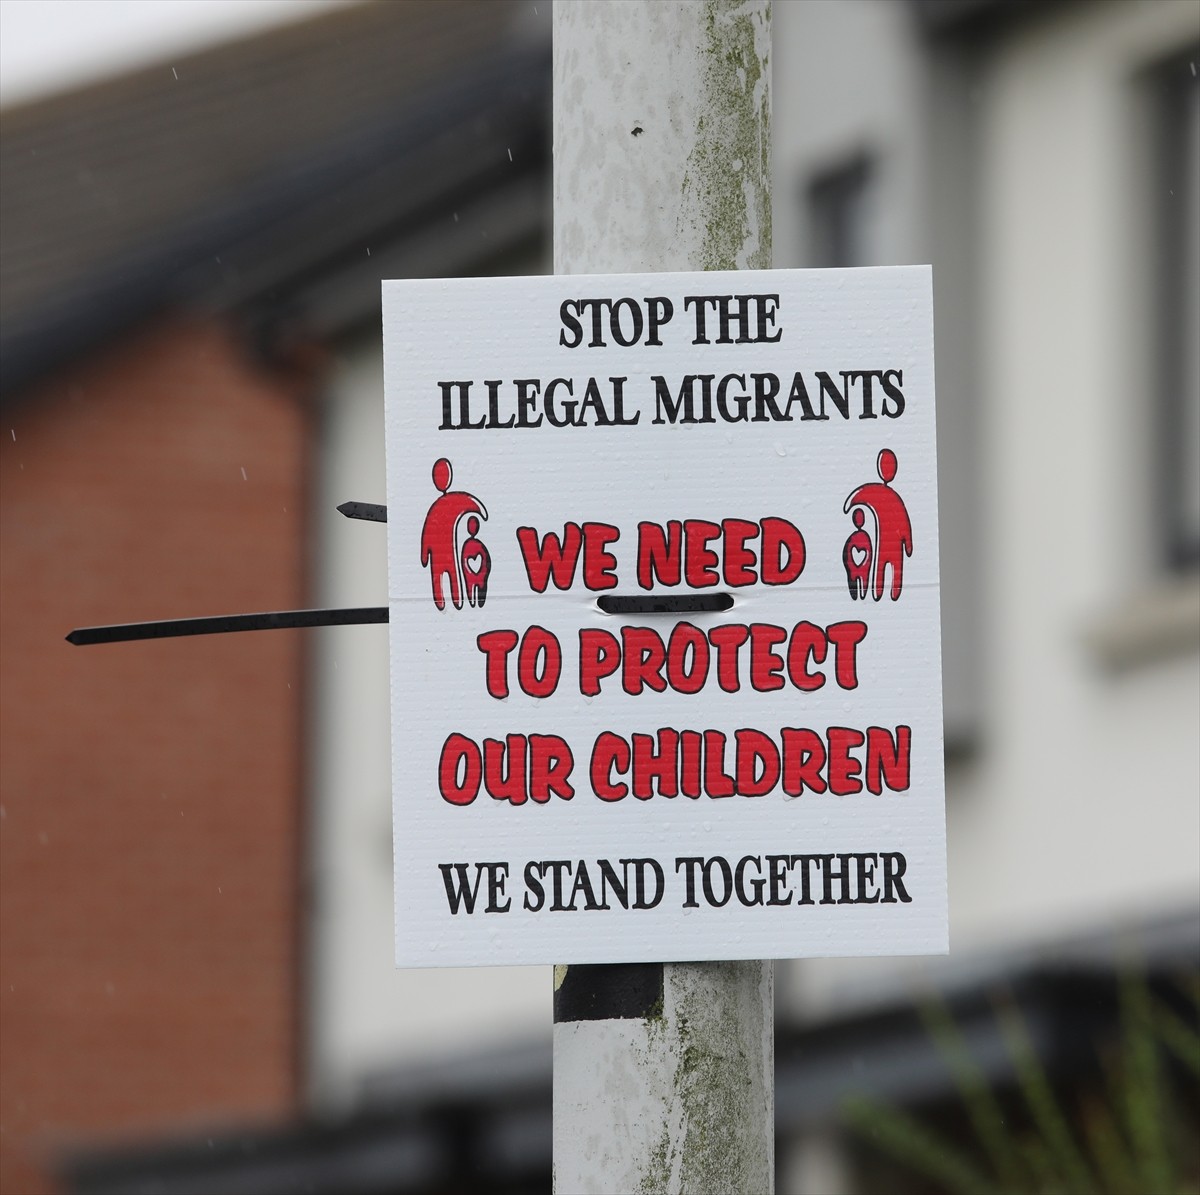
(839,761)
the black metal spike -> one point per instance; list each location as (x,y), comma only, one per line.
(371,511)
(174,628)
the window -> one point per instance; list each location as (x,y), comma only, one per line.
(1159,619)
(1178,273)
(840,216)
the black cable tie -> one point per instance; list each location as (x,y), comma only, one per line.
(174,628)
(664,603)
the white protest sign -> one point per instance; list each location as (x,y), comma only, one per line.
(663,591)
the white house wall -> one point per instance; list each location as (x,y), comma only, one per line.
(366,1014)
(1083,808)
(1078,806)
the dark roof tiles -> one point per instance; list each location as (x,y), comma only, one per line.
(96,181)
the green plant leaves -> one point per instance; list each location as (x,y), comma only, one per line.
(1125,1144)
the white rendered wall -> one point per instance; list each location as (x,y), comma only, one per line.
(1084,809)
(1080,806)
(365,1014)
(849,80)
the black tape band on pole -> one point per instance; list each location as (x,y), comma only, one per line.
(609,992)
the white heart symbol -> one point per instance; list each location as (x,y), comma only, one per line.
(858,555)
(475,562)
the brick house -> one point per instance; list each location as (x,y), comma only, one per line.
(180,247)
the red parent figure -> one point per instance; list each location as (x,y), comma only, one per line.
(439,549)
(893,531)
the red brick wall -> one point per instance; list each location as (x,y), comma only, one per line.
(149,840)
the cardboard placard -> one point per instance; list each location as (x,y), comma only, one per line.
(663,587)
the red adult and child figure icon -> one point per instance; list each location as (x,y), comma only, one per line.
(464,565)
(866,558)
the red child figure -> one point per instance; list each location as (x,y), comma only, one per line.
(893,531)
(438,547)
(856,557)
(476,563)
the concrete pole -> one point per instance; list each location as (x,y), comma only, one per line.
(663,1073)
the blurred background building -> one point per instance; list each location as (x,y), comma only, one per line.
(197,991)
